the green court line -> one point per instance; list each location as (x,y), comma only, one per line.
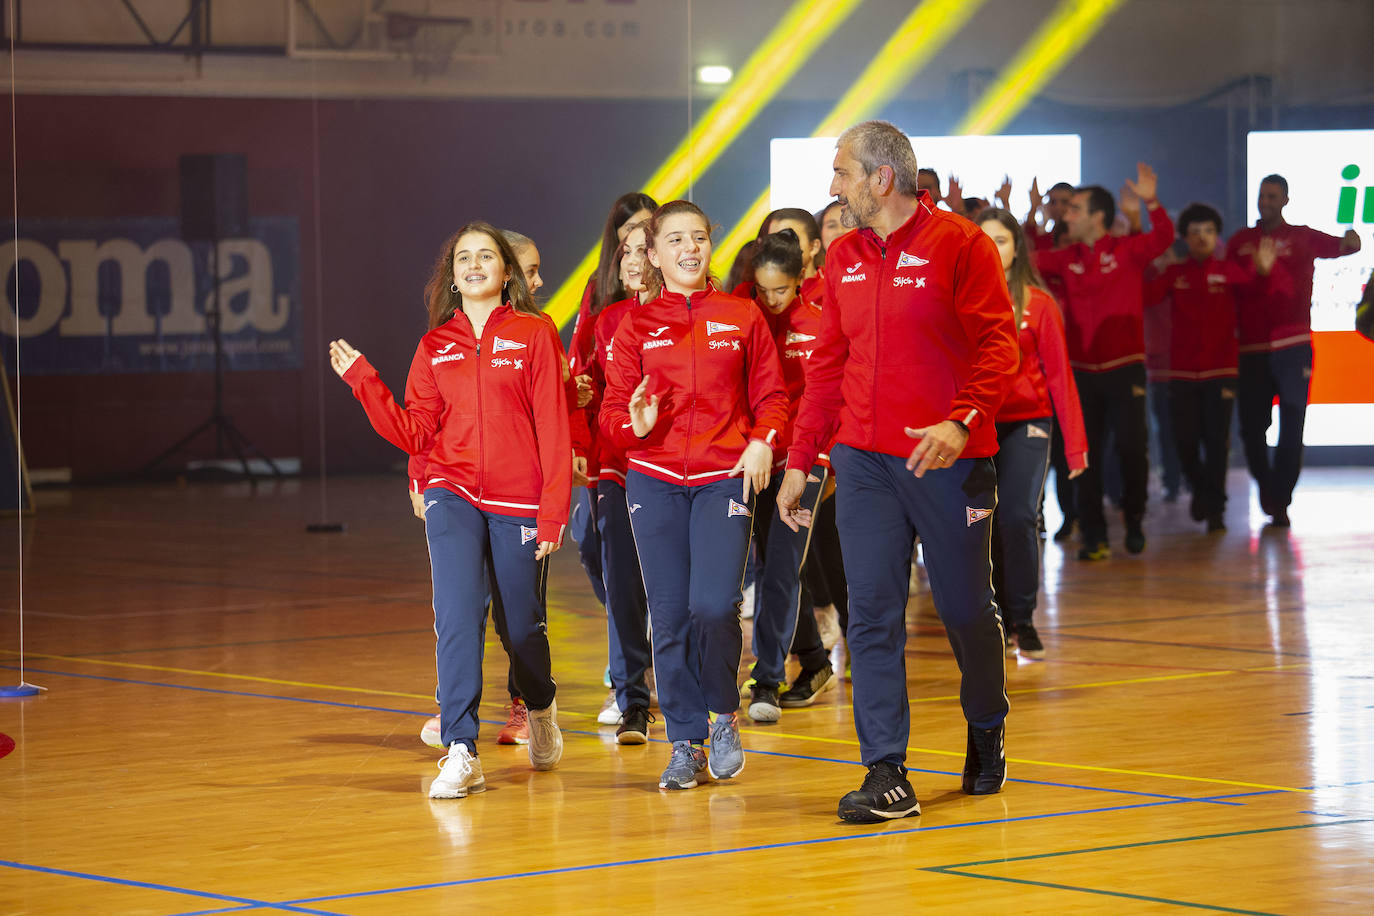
(1180,839)
(1093,890)
(956,869)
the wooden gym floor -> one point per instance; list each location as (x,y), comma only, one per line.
(231,723)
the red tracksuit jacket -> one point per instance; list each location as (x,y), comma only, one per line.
(795,333)
(417,468)
(1044,385)
(1103,288)
(490,417)
(917,328)
(609,457)
(1280,317)
(712,362)
(1202,300)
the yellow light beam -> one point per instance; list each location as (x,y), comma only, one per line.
(1072,24)
(926,30)
(786,49)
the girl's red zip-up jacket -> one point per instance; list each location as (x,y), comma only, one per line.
(711,360)
(1103,288)
(1202,297)
(1276,318)
(490,417)
(795,333)
(916,329)
(1044,385)
(609,457)
(417,468)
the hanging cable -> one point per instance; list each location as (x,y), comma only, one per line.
(24,688)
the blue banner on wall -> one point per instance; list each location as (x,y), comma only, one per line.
(130,295)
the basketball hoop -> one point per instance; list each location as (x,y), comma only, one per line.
(429,41)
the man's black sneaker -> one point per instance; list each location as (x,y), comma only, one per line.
(985,761)
(1066,530)
(1215,523)
(808,686)
(1279,518)
(634,726)
(885,795)
(763,703)
(1196,509)
(1028,641)
(1135,539)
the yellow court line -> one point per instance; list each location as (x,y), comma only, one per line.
(849,742)
(1154,678)
(223,674)
(812,738)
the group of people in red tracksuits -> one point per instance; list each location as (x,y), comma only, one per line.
(919,375)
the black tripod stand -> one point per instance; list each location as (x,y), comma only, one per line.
(218,421)
(214,205)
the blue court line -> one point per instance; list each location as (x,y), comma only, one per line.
(708,853)
(247,902)
(958,869)
(1216,799)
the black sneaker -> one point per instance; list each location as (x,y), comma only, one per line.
(634,726)
(985,760)
(1215,523)
(885,795)
(1098,550)
(808,686)
(763,703)
(1028,641)
(1279,518)
(1135,539)
(1066,530)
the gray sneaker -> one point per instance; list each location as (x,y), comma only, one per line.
(546,741)
(684,766)
(727,753)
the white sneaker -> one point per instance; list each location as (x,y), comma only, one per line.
(459,774)
(430,734)
(610,712)
(828,622)
(546,741)
(839,660)
(746,605)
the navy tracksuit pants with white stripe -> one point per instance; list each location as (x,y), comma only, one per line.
(692,546)
(880,508)
(779,604)
(627,612)
(462,538)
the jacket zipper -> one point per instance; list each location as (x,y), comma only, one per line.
(691,411)
(481,444)
(877,325)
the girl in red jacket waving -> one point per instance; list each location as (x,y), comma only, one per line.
(694,394)
(1042,391)
(485,403)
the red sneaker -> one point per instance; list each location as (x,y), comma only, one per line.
(517,730)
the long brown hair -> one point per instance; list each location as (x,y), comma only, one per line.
(652,282)
(440,298)
(607,276)
(1022,273)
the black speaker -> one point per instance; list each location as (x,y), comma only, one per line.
(214,196)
